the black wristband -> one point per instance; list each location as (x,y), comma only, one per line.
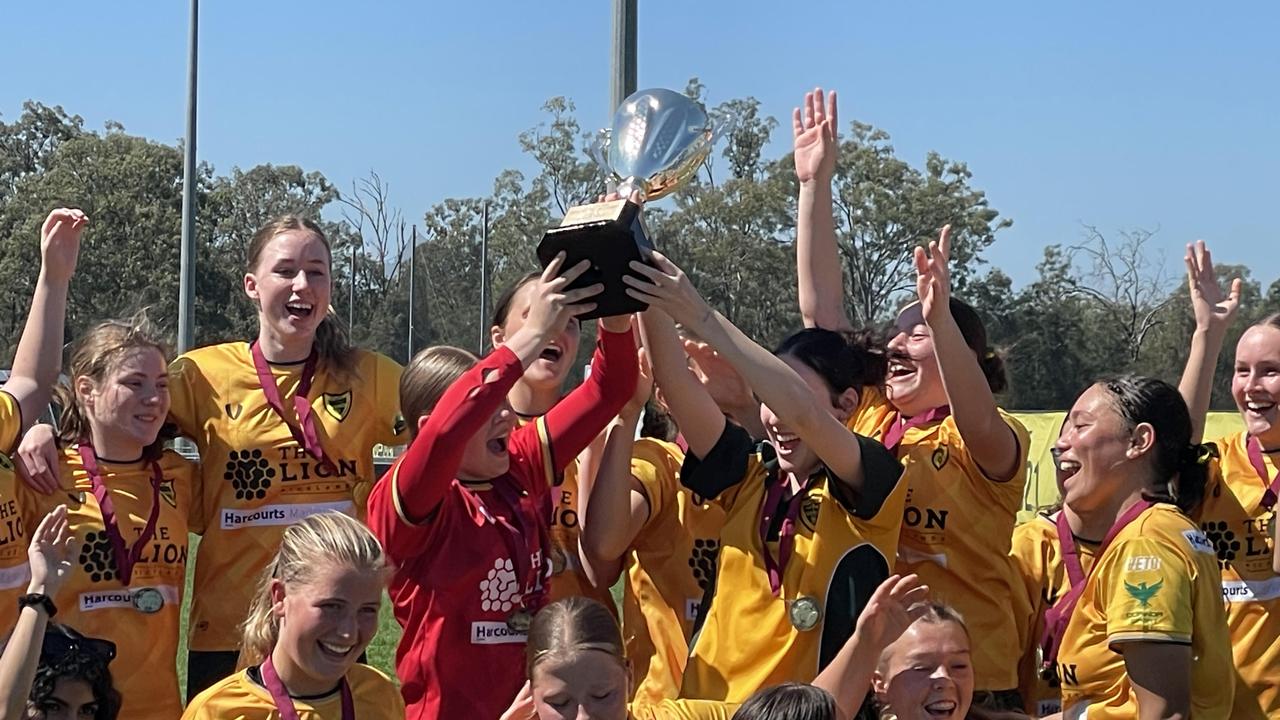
(38,600)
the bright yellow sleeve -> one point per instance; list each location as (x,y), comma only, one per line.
(683,710)
(391,428)
(1146,590)
(657,472)
(184,382)
(10,422)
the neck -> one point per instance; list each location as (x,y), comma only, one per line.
(283,350)
(109,447)
(1095,524)
(296,682)
(1077,525)
(530,401)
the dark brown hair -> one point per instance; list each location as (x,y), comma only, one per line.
(428,375)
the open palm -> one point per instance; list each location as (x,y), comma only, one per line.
(814,128)
(1213,309)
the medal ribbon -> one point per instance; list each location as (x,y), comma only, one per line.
(125,556)
(1057,617)
(898,430)
(775,567)
(513,536)
(307,436)
(1260,466)
(284,703)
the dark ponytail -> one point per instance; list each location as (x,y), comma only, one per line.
(1180,468)
(975,336)
(844,360)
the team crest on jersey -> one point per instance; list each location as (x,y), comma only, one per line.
(233,410)
(338,405)
(939,457)
(6,463)
(809,511)
(167,492)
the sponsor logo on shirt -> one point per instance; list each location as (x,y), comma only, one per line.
(495,633)
(1143,593)
(1251,590)
(1199,542)
(1142,563)
(691,608)
(108,599)
(270,515)
(706,553)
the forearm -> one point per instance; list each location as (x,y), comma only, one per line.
(820,277)
(433,458)
(605,501)
(695,412)
(21,658)
(583,413)
(38,359)
(988,437)
(848,676)
(1196,386)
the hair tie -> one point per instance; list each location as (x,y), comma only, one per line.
(1199,454)
(990,355)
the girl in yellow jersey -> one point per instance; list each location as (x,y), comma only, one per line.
(812,515)
(964,458)
(1141,634)
(128,502)
(315,613)
(537,391)
(25,393)
(1239,510)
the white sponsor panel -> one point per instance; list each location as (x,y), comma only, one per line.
(1199,542)
(691,606)
(911,555)
(1251,590)
(495,633)
(15,577)
(123,598)
(1142,563)
(268,515)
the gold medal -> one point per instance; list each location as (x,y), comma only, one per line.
(805,613)
(519,621)
(147,600)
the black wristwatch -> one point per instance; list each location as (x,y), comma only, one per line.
(39,600)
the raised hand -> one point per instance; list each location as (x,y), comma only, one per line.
(522,708)
(50,553)
(60,242)
(552,306)
(814,130)
(37,459)
(722,381)
(644,388)
(933,277)
(1213,311)
(898,602)
(667,288)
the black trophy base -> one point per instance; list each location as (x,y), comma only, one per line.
(610,235)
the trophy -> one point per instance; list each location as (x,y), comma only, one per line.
(658,141)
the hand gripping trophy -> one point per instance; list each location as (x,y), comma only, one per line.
(658,141)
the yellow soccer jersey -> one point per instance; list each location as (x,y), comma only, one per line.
(670,567)
(841,554)
(1157,581)
(1234,520)
(256,479)
(1038,557)
(141,618)
(14,571)
(956,531)
(567,575)
(242,697)
(681,710)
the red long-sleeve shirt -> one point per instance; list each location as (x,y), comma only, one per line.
(456,582)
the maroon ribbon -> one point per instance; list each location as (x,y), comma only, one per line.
(307,437)
(284,703)
(1260,466)
(898,429)
(1057,617)
(125,556)
(775,567)
(513,536)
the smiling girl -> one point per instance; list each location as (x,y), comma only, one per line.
(315,612)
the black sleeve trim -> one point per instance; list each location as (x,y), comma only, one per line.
(881,472)
(723,467)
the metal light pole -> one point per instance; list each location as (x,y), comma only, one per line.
(186,266)
(484,277)
(623,76)
(413,261)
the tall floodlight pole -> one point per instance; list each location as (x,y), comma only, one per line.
(484,276)
(413,261)
(187,262)
(623,78)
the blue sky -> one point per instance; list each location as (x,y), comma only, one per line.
(1119,115)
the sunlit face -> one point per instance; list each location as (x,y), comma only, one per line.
(592,685)
(914,382)
(327,621)
(1255,384)
(927,674)
(486,455)
(553,366)
(794,455)
(1096,452)
(71,699)
(291,285)
(127,408)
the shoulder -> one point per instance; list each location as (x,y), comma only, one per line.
(657,452)
(371,686)
(173,463)
(1163,527)
(233,692)
(1037,531)
(210,361)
